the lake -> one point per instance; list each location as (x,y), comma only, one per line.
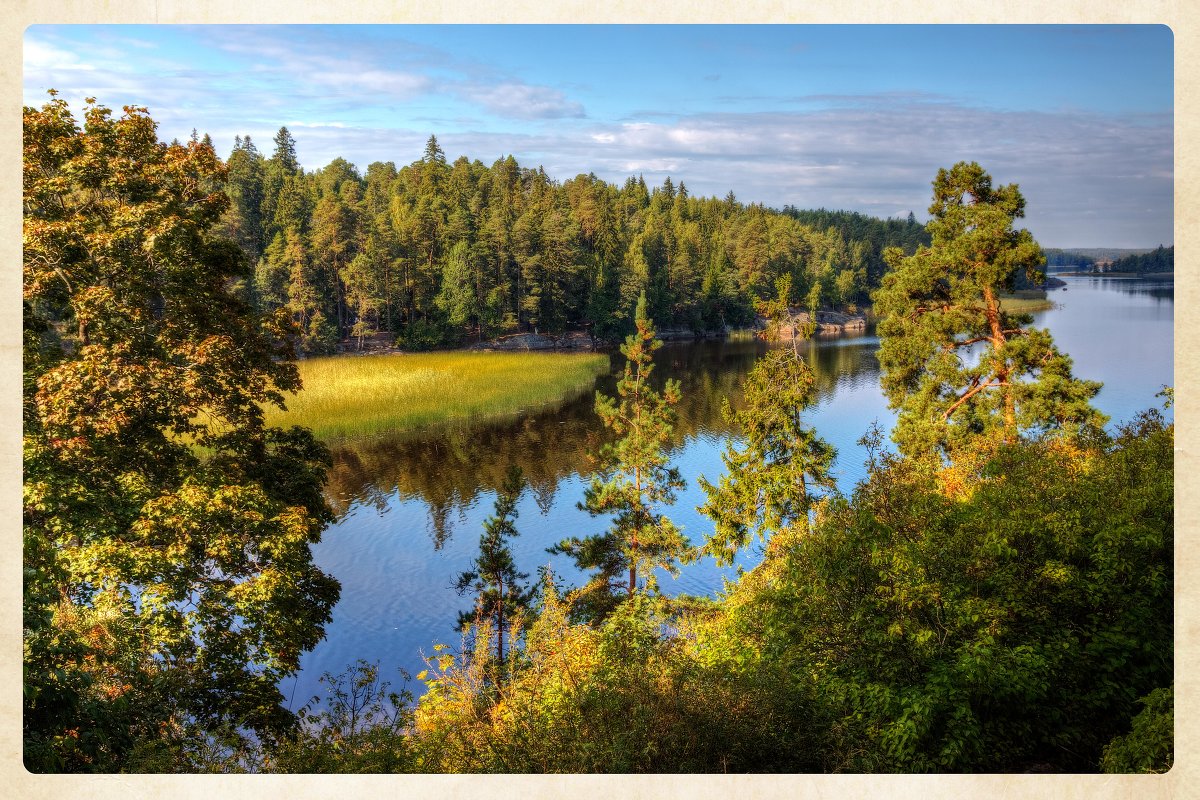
(411,508)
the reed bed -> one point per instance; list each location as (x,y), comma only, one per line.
(1026,302)
(350,397)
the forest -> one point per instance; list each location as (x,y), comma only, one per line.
(1160,259)
(437,253)
(995,596)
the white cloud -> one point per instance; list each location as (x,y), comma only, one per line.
(1088,178)
(42,56)
(654,166)
(522,101)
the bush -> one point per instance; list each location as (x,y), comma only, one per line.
(1009,627)
(1150,746)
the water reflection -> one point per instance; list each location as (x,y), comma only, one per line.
(1161,289)
(449,469)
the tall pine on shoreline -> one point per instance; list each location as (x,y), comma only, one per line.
(964,373)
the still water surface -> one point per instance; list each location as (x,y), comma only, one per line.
(411,508)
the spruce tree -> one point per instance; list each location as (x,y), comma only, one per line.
(768,484)
(285,151)
(243,220)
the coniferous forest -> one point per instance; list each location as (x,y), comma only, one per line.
(996,595)
(439,253)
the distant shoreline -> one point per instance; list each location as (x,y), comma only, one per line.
(1146,276)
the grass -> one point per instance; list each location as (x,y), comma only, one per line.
(349,397)
(1026,301)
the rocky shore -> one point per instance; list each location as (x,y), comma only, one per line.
(828,323)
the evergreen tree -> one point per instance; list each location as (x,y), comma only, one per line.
(433,166)
(635,480)
(457,299)
(365,288)
(285,152)
(281,206)
(243,220)
(769,483)
(272,274)
(500,594)
(333,243)
(961,370)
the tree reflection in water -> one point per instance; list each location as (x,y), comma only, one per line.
(450,467)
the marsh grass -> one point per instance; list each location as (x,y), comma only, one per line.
(350,397)
(1026,302)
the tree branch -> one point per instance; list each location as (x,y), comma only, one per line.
(974,390)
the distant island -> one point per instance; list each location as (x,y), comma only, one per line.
(1159,262)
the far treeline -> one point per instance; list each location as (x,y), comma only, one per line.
(1160,259)
(440,253)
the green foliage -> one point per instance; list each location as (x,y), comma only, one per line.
(500,595)
(874,235)
(462,249)
(767,485)
(1057,257)
(168,531)
(457,299)
(1150,746)
(1010,628)
(617,697)
(635,478)
(423,334)
(1003,611)
(362,727)
(1160,259)
(962,371)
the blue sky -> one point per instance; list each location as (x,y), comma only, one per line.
(855,117)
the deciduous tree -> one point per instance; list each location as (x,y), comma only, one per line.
(168,531)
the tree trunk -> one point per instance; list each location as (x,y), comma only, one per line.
(500,627)
(1000,365)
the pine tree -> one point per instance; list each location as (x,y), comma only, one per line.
(285,151)
(243,220)
(963,372)
(635,480)
(500,594)
(457,299)
(769,484)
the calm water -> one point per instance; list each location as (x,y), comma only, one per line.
(411,509)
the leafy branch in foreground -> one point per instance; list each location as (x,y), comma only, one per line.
(170,582)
